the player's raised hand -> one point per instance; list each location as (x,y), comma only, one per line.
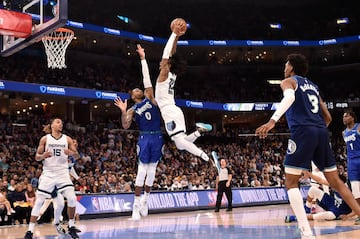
(140,51)
(122,105)
(178,26)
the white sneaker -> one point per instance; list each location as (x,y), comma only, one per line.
(203,127)
(136,212)
(60,229)
(144,210)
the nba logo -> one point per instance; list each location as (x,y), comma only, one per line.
(95,204)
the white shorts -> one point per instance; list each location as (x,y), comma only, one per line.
(48,182)
(174,119)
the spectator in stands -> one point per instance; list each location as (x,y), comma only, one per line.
(197,185)
(12,185)
(21,206)
(4,202)
(30,195)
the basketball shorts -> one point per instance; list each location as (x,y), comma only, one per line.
(309,143)
(174,119)
(48,182)
(354,169)
(150,148)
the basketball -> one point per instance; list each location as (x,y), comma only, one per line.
(178,26)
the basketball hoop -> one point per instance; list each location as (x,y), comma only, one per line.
(55,47)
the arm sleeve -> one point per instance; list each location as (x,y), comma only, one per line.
(286,102)
(169,46)
(146,74)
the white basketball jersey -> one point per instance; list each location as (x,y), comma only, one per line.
(59,160)
(164,91)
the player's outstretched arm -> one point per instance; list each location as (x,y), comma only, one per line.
(178,28)
(169,50)
(149,90)
(287,85)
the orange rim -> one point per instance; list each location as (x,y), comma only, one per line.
(61,29)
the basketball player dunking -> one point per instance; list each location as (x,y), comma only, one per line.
(170,68)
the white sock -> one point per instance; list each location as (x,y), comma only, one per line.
(71,222)
(31,226)
(296,202)
(146,196)
(137,200)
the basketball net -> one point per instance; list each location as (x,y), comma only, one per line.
(55,47)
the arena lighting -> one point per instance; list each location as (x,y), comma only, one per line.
(274,82)
(343,20)
(53,2)
(124,19)
(275,25)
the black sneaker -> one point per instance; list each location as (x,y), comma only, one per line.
(73,232)
(28,235)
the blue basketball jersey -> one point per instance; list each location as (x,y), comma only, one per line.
(305,110)
(352,140)
(335,204)
(147,116)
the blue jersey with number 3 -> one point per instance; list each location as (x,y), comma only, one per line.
(305,111)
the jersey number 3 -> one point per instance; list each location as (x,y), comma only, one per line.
(314,101)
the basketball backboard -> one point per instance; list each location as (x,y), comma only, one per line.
(47,16)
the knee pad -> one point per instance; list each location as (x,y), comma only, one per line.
(141,174)
(70,196)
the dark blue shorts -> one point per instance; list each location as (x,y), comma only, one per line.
(309,143)
(150,148)
(354,169)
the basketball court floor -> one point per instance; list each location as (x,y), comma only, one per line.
(264,222)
